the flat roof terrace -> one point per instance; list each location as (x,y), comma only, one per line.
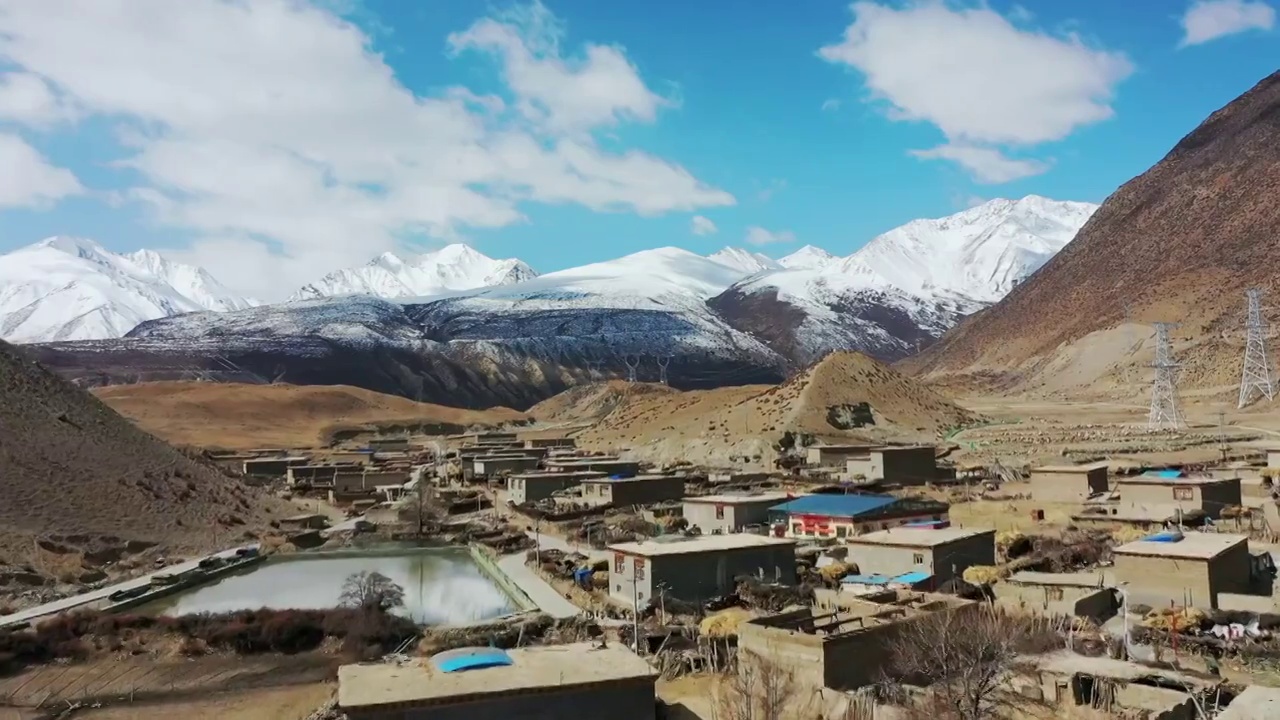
(917,537)
(428,681)
(1192,546)
(700,543)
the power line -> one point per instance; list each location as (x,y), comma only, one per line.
(1164,414)
(663,362)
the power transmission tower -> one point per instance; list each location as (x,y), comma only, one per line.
(1256,374)
(1164,391)
(631,366)
(663,362)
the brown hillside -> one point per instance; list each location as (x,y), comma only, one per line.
(79,477)
(717,426)
(241,416)
(594,401)
(1181,243)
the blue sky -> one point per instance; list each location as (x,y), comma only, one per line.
(273,142)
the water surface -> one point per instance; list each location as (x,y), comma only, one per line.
(441,587)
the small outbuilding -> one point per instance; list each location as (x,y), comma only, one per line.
(1068,483)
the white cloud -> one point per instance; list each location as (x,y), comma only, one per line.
(28,180)
(830,104)
(976,76)
(601,88)
(702,226)
(760,236)
(27,99)
(274,123)
(987,165)
(1207,20)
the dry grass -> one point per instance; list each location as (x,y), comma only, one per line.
(239,416)
(284,703)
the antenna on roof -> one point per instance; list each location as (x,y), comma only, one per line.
(1256,374)
(631,366)
(1164,391)
(663,362)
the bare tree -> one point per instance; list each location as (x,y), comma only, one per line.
(761,689)
(966,657)
(372,592)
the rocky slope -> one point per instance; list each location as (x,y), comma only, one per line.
(1181,242)
(80,486)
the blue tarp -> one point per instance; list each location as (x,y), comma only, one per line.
(1163,474)
(912,578)
(471,659)
(834,505)
(1164,537)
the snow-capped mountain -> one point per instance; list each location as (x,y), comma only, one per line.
(744,261)
(66,288)
(452,268)
(980,254)
(807,257)
(906,287)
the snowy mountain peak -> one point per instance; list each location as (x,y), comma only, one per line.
(68,288)
(807,257)
(744,261)
(453,268)
(979,254)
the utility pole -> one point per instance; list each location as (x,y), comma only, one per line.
(631,366)
(635,606)
(663,362)
(1164,414)
(1256,374)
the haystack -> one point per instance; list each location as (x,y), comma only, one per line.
(1174,619)
(1128,534)
(725,623)
(985,574)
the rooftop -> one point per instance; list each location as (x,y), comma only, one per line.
(568,475)
(1255,702)
(918,536)
(423,681)
(634,478)
(836,505)
(1065,662)
(733,498)
(1071,468)
(1172,477)
(1193,545)
(1076,579)
(678,544)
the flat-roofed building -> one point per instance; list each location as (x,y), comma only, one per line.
(1255,703)
(1188,569)
(697,568)
(550,442)
(942,553)
(823,516)
(535,486)
(488,466)
(396,444)
(272,466)
(637,490)
(1068,483)
(548,682)
(731,512)
(895,465)
(609,466)
(834,455)
(1171,491)
(1079,594)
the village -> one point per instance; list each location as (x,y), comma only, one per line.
(830,586)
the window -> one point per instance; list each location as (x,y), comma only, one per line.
(637,570)
(619,563)
(918,558)
(1053,593)
(841,531)
(1184,493)
(795,528)
(719,512)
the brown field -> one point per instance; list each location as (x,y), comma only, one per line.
(283,703)
(240,416)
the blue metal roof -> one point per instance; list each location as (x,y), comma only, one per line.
(474,658)
(866,579)
(1163,474)
(835,505)
(912,577)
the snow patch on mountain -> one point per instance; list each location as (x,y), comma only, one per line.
(66,288)
(807,257)
(453,268)
(744,261)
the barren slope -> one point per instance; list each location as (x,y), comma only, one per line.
(1180,242)
(80,477)
(241,416)
(718,426)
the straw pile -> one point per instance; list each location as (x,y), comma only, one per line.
(1005,538)
(1174,619)
(1128,534)
(985,574)
(725,623)
(835,571)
